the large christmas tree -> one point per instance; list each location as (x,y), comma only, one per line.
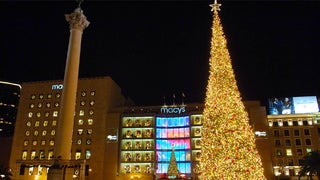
(228,148)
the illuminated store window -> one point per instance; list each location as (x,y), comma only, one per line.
(58,95)
(35,133)
(81,113)
(24,155)
(308,142)
(82,103)
(31,106)
(89,131)
(35,142)
(51,142)
(39,105)
(91,103)
(36,124)
(33,96)
(80,131)
(50,154)
(38,114)
(88,141)
(173,132)
(78,155)
(55,114)
(92,93)
(54,123)
(48,105)
(79,141)
(26,143)
(83,93)
(28,123)
(56,104)
(46,114)
(49,96)
(80,122)
(45,123)
(289,152)
(90,121)
(27,133)
(43,142)
(44,132)
(30,114)
(41,96)
(53,132)
(88,154)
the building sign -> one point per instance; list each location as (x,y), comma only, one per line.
(173,110)
(57,86)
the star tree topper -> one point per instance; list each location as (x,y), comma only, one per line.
(215,7)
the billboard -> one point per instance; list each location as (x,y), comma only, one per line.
(293,105)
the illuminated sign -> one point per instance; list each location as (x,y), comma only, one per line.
(260,133)
(112,138)
(57,86)
(173,110)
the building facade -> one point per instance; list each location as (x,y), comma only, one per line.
(111,138)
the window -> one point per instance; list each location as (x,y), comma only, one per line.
(82,103)
(296,132)
(80,131)
(89,131)
(33,96)
(27,133)
(41,154)
(277,142)
(43,142)
(31,106)
(78,155)
(46,114)
(37,124)
(91,103)
(29,123)
(80,122)
(307,132)
(298,142)
(289,152)
(41,96)
(54,123)
(48,105)
(49,96)
(79,141)
(81,113)
(92,93)
(290,162)
(288,142)
(38,114)
(53,132)
(308,150)
(26,143)
(39,105)
(24,155)
(50,155)
(58,95)
(299,152)
(35,133)
(308,142)
(286,132)
(88,154)
(91,112)
(44,132)
(56,104)
(51,142)
(55,114)
(35,142)
(90,121)
(83,93)
(89,141)
(45,123)
(30,114)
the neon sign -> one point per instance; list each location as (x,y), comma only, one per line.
(57,86)
(173,110)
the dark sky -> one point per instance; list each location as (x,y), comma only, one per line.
(157,48)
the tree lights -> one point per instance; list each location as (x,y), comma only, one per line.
(228,148)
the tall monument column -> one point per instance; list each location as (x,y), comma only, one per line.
(78,22)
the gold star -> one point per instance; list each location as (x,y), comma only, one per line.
(215,6)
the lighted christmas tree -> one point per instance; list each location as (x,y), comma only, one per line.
(173,171)
(228,149)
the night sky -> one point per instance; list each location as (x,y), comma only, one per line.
(160,48)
